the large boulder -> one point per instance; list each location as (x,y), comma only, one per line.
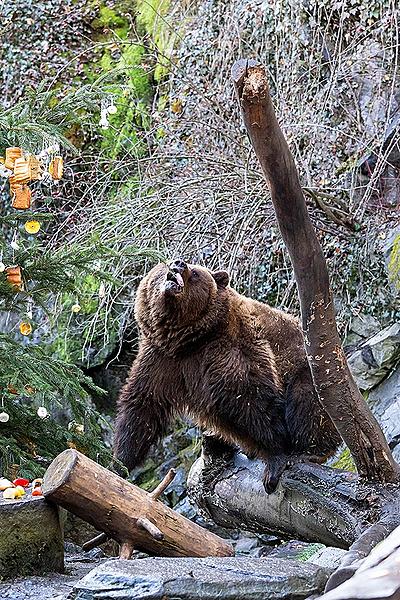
(375,359)
(31,537)
(384,400)
(202,579)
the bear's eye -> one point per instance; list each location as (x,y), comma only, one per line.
(194,274)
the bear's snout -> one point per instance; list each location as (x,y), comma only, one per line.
(178,266)
(174,282)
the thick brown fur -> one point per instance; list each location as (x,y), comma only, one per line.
(236,366)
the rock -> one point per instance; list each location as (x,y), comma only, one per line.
(202,579)
(292,550)
(329,558)
(245,544)
(391,248)
(385,403)
(31,537)
(376,357)
(365,325)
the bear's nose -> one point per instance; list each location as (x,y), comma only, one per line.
(178,265)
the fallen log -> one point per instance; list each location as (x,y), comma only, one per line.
(312,503)
(124,512)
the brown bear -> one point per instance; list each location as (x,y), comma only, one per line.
(236,366)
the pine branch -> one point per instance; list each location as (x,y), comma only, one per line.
(42,117)
(30,365)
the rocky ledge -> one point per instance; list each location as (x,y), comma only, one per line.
(202,579)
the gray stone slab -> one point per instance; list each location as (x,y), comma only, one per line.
(329,558)
(230,578)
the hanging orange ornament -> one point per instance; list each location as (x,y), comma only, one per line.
(14,277)
(29,389)
(25,328)
(32,226)
(21,199)
(35,167)
(11,155)
(22,170)
(56,167)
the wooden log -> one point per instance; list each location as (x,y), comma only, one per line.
(121,510)
(332,378)
(311,503)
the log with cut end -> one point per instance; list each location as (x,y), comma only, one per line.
(125,512)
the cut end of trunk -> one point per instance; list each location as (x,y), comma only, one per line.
(59,471)
(250,79)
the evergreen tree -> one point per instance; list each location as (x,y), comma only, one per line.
(33,274)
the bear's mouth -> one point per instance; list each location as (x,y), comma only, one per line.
(174,283)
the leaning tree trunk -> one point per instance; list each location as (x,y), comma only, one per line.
(332,378)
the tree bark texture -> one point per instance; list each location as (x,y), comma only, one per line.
(332,378)
(124,512)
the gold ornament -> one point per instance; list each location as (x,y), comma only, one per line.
(32,226)
(14,277)
(25,328)
(176,106)
(11,155)
(75,308)
(56,167)
(29,389)
(21,196)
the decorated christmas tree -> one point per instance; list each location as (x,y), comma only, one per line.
(36,385)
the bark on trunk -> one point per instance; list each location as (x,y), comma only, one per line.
(124,512)
(333,381)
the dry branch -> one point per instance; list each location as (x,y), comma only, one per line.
(124,511)
(333,381)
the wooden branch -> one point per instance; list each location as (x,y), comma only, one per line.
(95,542)
(162,486)
(152,529)
(125,551)
(333,381)
(124,511)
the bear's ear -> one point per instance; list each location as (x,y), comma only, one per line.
(221,278)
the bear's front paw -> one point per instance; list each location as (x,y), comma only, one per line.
(274,467)
(269,481)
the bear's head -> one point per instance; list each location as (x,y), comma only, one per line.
(178,297)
